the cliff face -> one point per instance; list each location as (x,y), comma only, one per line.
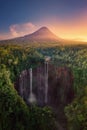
(59,85)
(51,86)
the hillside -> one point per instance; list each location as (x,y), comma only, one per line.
(42,35)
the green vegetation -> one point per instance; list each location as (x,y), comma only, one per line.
(14,113)
(74,57)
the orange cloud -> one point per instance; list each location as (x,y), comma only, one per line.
(74,27)
(18,30)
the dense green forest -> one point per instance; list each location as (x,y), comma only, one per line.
(14,113)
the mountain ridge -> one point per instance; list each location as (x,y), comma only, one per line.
(43,32)
(42,35)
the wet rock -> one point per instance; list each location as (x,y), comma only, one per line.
(60,88)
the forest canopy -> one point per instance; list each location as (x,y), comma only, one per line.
(14,113)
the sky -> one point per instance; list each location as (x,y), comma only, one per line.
(66,18)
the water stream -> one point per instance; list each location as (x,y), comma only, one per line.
(46,82)
(32,98)
(21,82)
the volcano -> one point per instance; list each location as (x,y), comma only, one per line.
(41,35)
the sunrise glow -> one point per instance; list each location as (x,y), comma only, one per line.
(66,20)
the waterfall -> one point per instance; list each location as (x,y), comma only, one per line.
(30,80)
(46,82)
(21,85)
(32,98)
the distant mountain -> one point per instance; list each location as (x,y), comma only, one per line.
(43,35)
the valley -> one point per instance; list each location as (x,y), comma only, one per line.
(43,84)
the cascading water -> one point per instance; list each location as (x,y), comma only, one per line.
(22,84)
(30,80)
(46,82)
(32,98)
(39,93)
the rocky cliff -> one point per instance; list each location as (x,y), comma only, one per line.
(51,86)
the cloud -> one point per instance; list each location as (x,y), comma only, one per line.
(71,27)
(18,30)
